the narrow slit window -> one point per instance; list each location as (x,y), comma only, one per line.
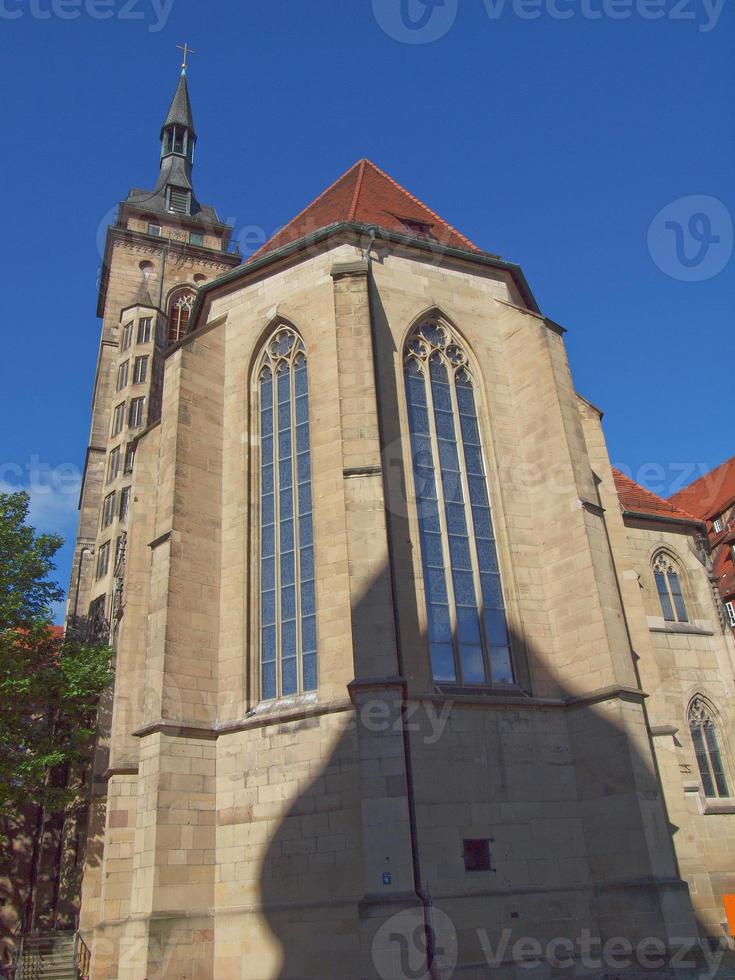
(468,633)
(122,375)
(113,464)
(288,656)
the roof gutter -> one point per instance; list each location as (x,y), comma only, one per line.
(384,234)
(663,518)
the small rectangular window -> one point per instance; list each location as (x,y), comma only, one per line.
(113,464)
(122,375)
(108,509)
(717,525)
(118,418)
(127,336)
(154,230)
(103,559)
(129,458)
(730,610)
(135,415)
(477,855)
(140,370)
(196,238)
(124,502)
(145,329)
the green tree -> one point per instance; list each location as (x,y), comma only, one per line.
(50,685)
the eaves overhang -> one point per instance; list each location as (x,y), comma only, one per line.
(640,515)
(367,232)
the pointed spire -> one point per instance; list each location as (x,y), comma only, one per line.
(179,113)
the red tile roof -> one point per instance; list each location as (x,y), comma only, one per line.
(637,499)
(367,195)
(711,494)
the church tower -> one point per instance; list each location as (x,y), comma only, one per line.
(163,246)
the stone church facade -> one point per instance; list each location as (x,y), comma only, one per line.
(402,665)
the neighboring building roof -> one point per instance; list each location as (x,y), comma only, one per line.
(367,195)
(711,494)
(637,500)
(724,571)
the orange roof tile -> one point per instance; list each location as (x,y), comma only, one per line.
(711,494)
(637,499)
(367,195)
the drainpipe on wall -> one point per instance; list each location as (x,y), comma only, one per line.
(419,891)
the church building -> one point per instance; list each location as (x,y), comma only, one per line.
(406,673)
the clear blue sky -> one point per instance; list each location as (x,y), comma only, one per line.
(553,142)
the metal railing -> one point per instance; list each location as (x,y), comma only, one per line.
(82,957)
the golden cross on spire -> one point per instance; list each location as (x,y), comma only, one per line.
(187,51)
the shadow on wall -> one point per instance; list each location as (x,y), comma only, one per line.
(531,828)
(490,829)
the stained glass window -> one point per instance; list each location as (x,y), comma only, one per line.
(467,627)
(707,750)
(668,585)
(287,589)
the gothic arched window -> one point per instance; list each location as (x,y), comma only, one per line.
(707,749)
(468,633)
(179,311)
(668,584)
(287,594)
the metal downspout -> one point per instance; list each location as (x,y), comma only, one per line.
(415,858)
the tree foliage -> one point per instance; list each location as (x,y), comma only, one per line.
(50,685)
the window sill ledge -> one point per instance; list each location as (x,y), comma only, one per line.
(659,626)
(718,806)
(481,691)
(709,805)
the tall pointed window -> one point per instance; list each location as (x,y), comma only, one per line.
(179,311)
(468,634)
(707,750)
(287,595)
(668,585)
